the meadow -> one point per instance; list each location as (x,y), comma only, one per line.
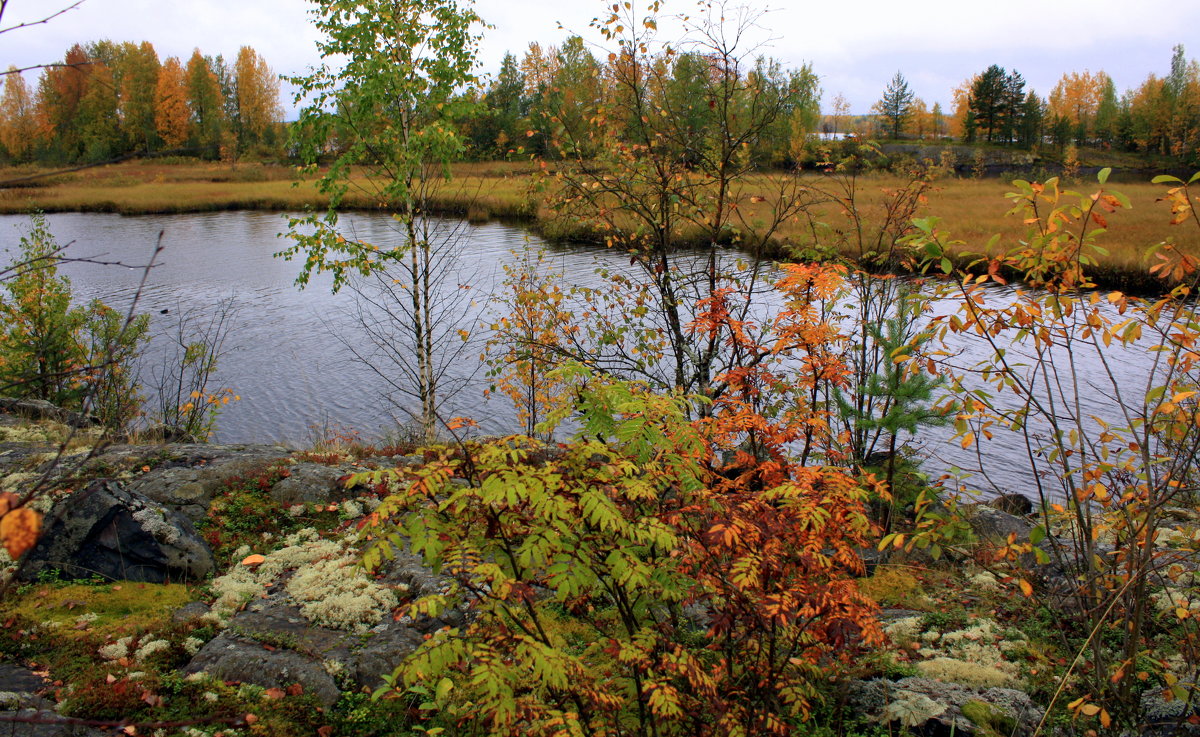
(971,210)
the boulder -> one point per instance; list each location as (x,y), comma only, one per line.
(107,531)
(194,474)
(39,409)
(932,707)
(994,526)
(1013,503)
(311,482)
(271,644)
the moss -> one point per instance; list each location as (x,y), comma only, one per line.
(895,586)
(989,719)
(108,609)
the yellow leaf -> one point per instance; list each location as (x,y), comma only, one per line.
(1026,587)
(1182,613)
(1105,719)
(968,440)
(19,530)
(1090,710)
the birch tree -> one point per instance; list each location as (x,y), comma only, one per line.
(387,93)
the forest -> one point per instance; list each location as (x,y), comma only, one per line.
(105,100)
(715,516)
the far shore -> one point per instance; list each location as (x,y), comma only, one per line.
(971,210)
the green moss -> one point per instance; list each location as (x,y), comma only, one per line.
(989,719)
(895,586)
(117,608)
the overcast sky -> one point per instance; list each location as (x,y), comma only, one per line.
(854,46)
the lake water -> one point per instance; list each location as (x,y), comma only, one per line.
(290,356)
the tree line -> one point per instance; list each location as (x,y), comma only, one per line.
(1161,116)
(106,100)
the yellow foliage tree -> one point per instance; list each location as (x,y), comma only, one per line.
(257,95)
(18,124)
(171,115)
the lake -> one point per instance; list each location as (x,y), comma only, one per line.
(290,352)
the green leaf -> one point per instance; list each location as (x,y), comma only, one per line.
(1037,534)
(1167,179)
(1102,176)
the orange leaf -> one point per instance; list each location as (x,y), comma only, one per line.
(295,690)
(1026,587)
(19,530)
(1090,710)
(274,694)
(253,560)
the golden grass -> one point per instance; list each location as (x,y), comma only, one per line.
(971,210)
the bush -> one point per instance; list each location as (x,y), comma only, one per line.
(78,358)
(620,581)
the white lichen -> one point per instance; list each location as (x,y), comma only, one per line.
(336,593)
(154,522)
(147,649)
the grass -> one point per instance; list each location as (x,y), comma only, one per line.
(971,210)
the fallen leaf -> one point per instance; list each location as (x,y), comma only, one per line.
(253,560)
(295,690)
(274,694)
(19,530)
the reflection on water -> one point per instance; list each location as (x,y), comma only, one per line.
(288,358)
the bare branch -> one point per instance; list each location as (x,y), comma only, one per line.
(47,19)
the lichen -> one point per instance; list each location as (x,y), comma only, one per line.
(911,709)
(967,673)
(337,593)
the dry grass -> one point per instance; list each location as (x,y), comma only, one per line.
(971,210)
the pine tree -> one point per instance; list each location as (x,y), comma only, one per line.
(895,107)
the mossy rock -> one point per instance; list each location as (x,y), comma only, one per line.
(990,720)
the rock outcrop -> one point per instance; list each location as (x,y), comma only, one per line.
(105,530)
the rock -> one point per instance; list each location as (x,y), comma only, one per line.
(194,474)
(232,658)
(311,482)
(107,531)
(190,612)
(270,643)
(994,526)
(38,409)
(43,723)
(1013,503)
(1162,717)
(932,707)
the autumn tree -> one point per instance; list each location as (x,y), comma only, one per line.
(390,87)
(1076,97)
(840,114)
(205,102)
(257,97)
(18,122)
(139,86)
(60,91)
(171,114)
(895,107)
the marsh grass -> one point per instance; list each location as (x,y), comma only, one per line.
(970,210)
